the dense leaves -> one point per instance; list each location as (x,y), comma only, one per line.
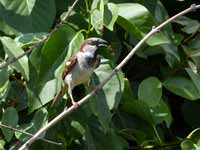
(152,102)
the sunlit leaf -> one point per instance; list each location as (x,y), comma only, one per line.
(14,51)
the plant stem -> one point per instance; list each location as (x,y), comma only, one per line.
(157,134)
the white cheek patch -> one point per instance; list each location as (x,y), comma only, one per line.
(89,48)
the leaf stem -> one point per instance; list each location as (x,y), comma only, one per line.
(157,134)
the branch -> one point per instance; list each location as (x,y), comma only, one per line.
(29,134)
(118,67)
(69,12)
(37,44)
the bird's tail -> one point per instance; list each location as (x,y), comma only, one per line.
(59,95)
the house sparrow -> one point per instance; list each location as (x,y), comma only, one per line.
(80,67)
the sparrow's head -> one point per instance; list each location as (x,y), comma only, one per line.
(92,44)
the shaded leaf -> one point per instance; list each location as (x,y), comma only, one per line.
(112,95)
(110,15)
(9,118)
(54,52)
(28,16)
(22,7)
(14,51)
(150,91)
(139,22)
(195,78)
(28,39)
(182,87)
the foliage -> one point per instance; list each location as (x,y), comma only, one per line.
(152,101)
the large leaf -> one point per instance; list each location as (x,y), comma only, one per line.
(22,7)
(139,108)
(109,97)
(183,87)
(54,52)
(28,16)
(28,39)
(190,25)
(110,15)
(97,15)
(97,139)
(14,51)
(112,95)
(152,115)
(150,91)
(190,145)
(139,22)
(9,118)
(195,78)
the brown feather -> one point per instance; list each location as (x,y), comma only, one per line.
(69,65)
(84,43)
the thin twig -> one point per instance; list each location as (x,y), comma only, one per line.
(13,60)
(70,11)
(118,67)
(29,134)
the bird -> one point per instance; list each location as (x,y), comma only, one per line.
(79,68)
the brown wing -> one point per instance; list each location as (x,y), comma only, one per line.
(69,65)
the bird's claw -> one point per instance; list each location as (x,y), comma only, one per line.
(76,105)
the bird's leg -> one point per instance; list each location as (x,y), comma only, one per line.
(74,103)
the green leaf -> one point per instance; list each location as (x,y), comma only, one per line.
(108,98)
(182,86)
(190,25)
(28,16)
(139,108)
(139,22)
(150,91)
(2,143)
(48,92)
(28,39)
(4,73)
(195,78)
(128,95)
(97,15)
(14,51)
(21,7)
(9,118)
(188,145)
(112,95)
(97,139)
(54,52)
(110,15)
(39,120)
(161,113)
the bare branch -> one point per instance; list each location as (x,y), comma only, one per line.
(70,11)
(118,67)
(29,134)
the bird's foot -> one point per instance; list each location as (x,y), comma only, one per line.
(75,104)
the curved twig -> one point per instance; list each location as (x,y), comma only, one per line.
(117,68)
(29,134)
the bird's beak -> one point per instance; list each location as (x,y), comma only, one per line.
(102,43)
